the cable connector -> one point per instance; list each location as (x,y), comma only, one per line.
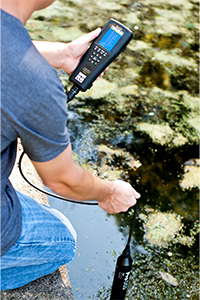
(72,93)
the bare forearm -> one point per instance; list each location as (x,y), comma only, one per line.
(67,179)
(81,185)
(53,52)
(113,197)
(66,55)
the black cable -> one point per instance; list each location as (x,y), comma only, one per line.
(132,225)
(47,193)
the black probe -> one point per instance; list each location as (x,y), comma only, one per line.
(123,268)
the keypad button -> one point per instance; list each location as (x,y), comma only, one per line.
(97,55)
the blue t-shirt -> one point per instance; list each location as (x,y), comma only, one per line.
(33,108)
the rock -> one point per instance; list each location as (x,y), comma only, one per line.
(56,10)
(101,88)
(179,140)
(162,227)
(69,34)
(185,4)
(174,19)
(108,5)
(169,278)
(130,90)
(138,45)
(40,30)
(191,177)
(160,134)
(127,160)
(175,60)
(190,102)
(109,173)
(131,18)
(113,163)
(55,286)
(195,123)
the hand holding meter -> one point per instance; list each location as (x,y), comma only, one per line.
(112,40)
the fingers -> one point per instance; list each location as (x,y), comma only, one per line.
(123,197)
(136,194)
(102,73)
(127,196)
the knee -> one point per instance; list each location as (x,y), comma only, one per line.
(65,250)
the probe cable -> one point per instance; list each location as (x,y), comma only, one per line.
(47,193)
(132,224)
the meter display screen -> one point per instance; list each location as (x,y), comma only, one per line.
(111,37)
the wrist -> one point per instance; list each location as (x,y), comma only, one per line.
(54,52)
(104,188)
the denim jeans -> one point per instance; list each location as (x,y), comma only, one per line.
(47,241)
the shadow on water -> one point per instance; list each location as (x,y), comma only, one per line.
(168,270)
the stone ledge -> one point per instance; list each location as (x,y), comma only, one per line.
(54,286)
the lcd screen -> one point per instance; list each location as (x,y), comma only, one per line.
(110,39)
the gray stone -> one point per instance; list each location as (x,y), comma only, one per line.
(55,286)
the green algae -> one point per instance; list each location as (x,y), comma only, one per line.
(162,229)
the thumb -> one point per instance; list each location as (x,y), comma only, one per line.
(91,35)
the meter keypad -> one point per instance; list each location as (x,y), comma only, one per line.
(97,55)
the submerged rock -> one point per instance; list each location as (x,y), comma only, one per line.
(154,73)
(113,163)
(165,228)
(191,177)
(169,278)
(162,134)
(162,227)
(125,157)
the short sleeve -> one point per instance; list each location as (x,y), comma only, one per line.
(35,106)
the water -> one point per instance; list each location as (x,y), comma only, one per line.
(102,237)
(98,242)
(99,239)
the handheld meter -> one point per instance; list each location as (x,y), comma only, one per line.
(112,40)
